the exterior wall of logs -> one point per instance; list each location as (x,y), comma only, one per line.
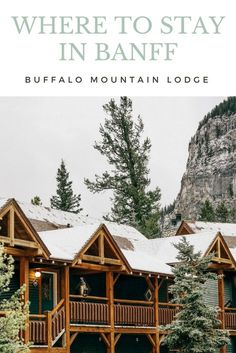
(95,302)
(121,312)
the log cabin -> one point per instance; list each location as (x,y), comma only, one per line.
(103,287)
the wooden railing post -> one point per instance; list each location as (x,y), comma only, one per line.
(156,316)
(65,290)
(110,296)
(221,302)
(24,280)
(49,328)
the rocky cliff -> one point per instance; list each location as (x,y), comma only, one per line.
(211,166)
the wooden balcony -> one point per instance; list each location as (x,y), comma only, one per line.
(230,318)
(47,329)
(89,313)
(124,314)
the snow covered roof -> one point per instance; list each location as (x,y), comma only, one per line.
(50,215)
(228,229)
(164,249)
(65,242)
(3,202)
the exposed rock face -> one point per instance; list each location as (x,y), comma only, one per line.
(211,166)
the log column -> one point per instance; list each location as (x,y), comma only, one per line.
(110,296)
(221,302)
(156,349)
(65,291)
(24,280)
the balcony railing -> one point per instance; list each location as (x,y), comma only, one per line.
(89,313)
(85,312)
(38,329)
(47,329)
(230,318)
(133,315)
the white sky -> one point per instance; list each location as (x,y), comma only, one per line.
(36,132)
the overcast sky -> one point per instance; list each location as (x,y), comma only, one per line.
(36,132)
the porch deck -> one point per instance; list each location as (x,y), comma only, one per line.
(47,329)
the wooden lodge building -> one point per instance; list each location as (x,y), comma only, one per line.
(103,288)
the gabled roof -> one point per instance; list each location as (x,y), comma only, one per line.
(228,229)
(136,251)
(165,251)
(7,205)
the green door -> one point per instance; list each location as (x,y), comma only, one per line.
(47,289)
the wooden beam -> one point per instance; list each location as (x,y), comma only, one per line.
(73,337)
(117,337)
(105,339)
(131,301)
(21,252)
(5,211)
(160,284)
(151,340)
(156,315)
(11,226)
(116,278)
(92,240)
(218,248)
(221,298)
(217,266)
(90,329)
(102,268)
(135,330)
(24,280)
(20,242)
(101,246)
(149,282)
(221,259)
(101,260)
(65,290)
(110,296)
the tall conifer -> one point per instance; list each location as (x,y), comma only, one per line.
(65,199)
(196,327)
(128,177)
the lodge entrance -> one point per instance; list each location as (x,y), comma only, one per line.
(48,291)
(42,291)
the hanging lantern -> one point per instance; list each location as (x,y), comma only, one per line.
(37,275)
(83,287)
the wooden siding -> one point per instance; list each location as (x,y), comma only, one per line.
(211,297)
(228,293)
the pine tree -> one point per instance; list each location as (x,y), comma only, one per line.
(36,201)
(222,213)
(207,213)
(128,155)
(196,328)
(16,311)
(65,199)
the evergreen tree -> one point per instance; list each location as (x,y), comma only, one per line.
(36,201)
(207,213)
(222,213)
(65,199)
(128,155)
(16,313)
(196,328)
